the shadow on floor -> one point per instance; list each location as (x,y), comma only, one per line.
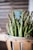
(3,45)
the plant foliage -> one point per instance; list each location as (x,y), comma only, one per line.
(20,27)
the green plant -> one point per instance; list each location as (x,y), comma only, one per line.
(20,27)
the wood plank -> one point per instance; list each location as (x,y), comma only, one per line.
(16,45)
(13,6)
(8,43)
(13,3)
(13,0)
(27,45)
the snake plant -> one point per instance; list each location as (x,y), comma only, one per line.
(20,27)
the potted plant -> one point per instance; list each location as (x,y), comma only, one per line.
(21,27)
